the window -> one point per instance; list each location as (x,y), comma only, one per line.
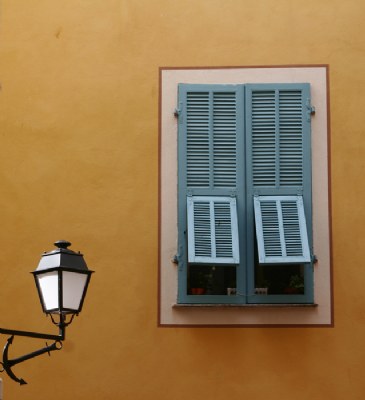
(244,210)
(244,193)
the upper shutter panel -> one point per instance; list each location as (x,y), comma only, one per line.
(281,229)
(212,230)
(277,127)
(211,136)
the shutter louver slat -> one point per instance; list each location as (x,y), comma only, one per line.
(271,229)
(291,227)
(281,229)
(212,230)
(223,233)
(202,230)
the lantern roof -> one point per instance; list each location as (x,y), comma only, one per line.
(62,258)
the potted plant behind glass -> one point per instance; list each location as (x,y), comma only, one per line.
(296,285)
(198,283)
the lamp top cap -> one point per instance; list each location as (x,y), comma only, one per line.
(62,244)
(62,247)
(62,258)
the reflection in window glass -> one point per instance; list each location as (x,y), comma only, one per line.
(279,279)
(211,280)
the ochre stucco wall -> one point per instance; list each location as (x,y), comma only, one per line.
(79,161)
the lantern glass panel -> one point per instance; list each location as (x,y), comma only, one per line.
(48,284)
(73,289)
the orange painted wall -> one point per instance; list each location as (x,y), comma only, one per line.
(79,161)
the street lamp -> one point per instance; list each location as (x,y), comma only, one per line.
(62,279)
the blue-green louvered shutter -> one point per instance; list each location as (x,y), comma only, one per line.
(210,137)
(279,163)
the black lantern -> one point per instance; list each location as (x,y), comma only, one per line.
(62,279)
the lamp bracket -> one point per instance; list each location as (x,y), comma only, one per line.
(7,363)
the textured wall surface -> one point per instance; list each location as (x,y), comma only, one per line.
(79,161)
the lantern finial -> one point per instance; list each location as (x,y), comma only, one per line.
(62,244)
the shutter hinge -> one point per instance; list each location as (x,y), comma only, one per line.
(311,110)
(178,112)
(189,193)
(233,193)
(178,259)
(314,259)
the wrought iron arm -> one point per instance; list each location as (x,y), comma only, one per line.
(7,363)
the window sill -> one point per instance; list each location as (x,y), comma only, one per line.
(217,306)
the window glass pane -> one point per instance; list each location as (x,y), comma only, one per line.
(73,289)
(279,279)
(48,283)
(211,280)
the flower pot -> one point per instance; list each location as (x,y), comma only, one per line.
(197,291)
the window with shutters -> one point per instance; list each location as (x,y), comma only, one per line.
(244,204)
(245,193)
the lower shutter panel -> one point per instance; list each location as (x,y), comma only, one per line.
(281,230)
(212,230)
